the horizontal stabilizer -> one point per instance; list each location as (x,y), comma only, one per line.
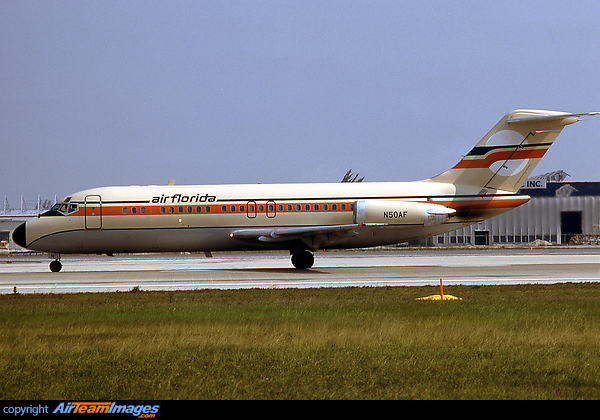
(551,117)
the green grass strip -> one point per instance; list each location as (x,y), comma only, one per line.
(498,342)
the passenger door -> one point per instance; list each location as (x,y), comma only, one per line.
(93,212)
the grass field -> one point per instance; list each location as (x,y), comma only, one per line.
(498,342)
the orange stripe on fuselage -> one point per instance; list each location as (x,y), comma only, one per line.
(484,203)
(215,209)
(487,161)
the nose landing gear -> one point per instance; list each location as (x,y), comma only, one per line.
(55,266)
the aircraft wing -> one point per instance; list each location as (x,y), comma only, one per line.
(313,236)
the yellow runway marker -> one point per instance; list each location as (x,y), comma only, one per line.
(441,296)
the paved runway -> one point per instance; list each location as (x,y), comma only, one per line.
(402,267)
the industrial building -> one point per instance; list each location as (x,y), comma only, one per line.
(559,213)
(11,217)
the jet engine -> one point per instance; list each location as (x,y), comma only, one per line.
(396,212)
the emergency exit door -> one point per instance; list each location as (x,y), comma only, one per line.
(93,212)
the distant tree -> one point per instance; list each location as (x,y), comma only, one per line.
(352,177)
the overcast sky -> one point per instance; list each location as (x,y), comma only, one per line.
(97,93)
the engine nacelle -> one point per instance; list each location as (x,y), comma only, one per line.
(395,212)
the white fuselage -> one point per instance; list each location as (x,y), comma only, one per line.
(204,217)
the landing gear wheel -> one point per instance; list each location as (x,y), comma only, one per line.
(55,266)
(303,260)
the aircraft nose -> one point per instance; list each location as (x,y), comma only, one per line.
(19,237)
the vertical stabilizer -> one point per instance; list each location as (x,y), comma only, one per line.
(505,157)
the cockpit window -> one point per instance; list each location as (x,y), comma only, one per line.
(62,209)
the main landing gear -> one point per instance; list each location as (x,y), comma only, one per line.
(303,259)
(56,265)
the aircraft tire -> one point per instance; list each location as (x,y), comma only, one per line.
(55,266)
(303,260)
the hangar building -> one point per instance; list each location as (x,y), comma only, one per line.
(559,212)
(10,217)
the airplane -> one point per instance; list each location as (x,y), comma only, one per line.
(300,218)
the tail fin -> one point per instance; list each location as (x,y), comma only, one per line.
(505,157)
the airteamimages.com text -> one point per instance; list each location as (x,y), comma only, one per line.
(67,408)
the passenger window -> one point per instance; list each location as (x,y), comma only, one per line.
(289,207)
(199,209)
(143,210)
(171,210)
(334,207)
(325,207)
(223,209)
(189,209)
(307,207)
(134,210)
(162,210)
(298,207)
(124,210)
